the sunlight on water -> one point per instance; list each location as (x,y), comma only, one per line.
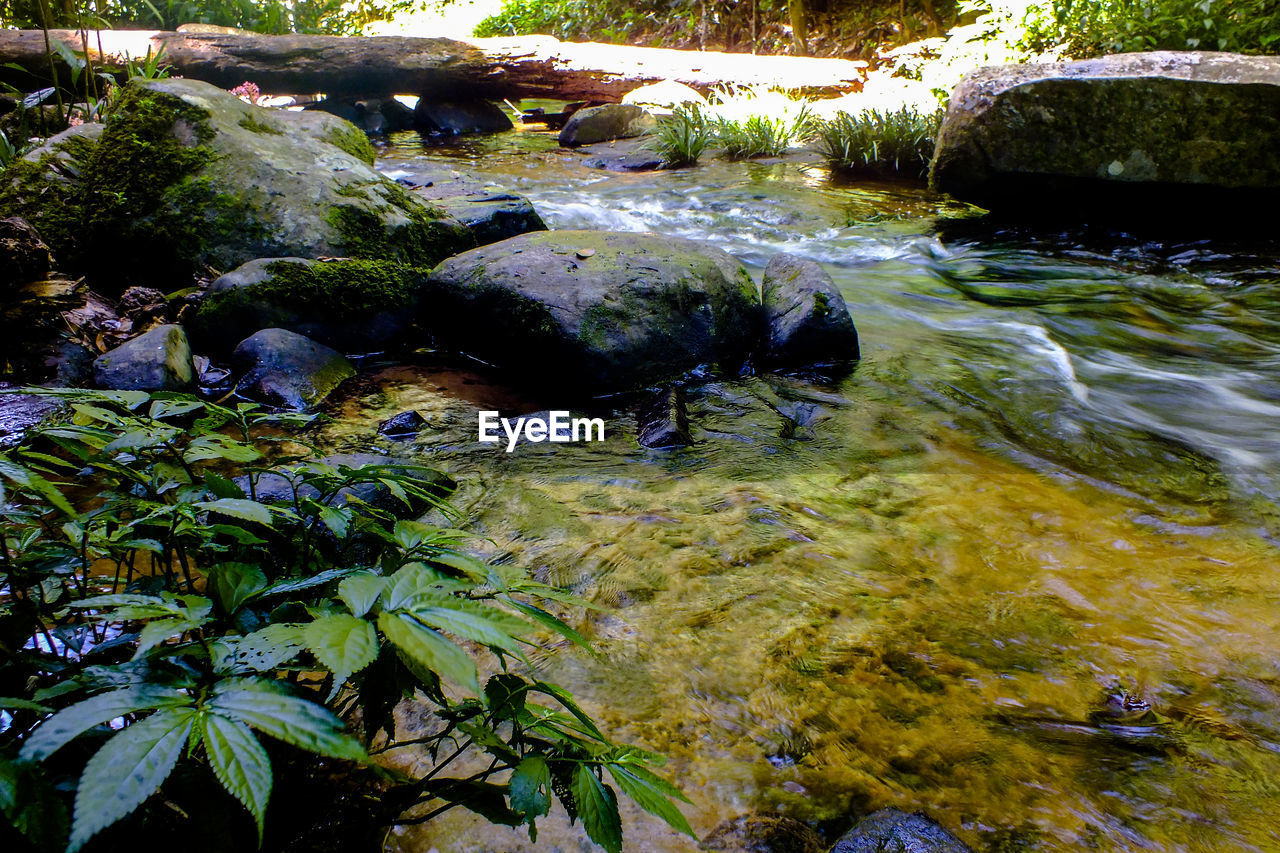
(1054,471)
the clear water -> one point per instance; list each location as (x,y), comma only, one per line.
(1055,470)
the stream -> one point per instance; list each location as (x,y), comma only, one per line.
(1054,472)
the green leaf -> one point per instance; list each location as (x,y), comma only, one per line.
(221,487)
(161,409)
(240,508)
(14,472)
(430,649)
(76,719)
(240,762)
(410,581)
(531,788)
(360,591)
(269,709)
(547,620)
(299,584)
(598,808)
(127,770)
(343,643)
(10,703)
(652,794)
(337,519)
(565,698)
(467,619)
(261,651)
(232,584)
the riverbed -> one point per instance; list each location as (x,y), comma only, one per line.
(1053,475)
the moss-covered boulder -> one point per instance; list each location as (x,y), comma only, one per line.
(807,322)
(605,122)
(1148,133)
(287,370)
(352,306)
(186,175)
(159,360)
(597,311)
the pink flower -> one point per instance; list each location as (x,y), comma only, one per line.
(248,92)
(75,120)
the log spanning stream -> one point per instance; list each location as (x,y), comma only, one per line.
(1055,470)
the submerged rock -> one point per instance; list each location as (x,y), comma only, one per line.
(662,420)
(595,310)
(600,124)
(158,360)
(892,829)
(763,833)
(491,213)
(353,306)
(807,320)
(402,426)
(463,116)
(186,174)
(1143,133)
(288,371)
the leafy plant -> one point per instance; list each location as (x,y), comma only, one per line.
(1095,27)
(898,142)
(184,589)
(681,138)
(150,68)
(8,151)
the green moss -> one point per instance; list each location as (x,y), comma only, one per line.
(251,123)
(352,140)
(300,294)
(425,240)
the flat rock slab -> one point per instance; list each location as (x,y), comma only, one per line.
(490,212)
(1148,134)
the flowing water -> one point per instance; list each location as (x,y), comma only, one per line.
(1054,471)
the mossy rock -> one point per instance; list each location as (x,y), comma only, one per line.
(186,175)
(597,310)
(353,306)
(807,320)
(1142,136)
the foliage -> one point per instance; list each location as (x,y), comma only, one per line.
(879,142)
(183,591)
(8,151)
(752,121)
(265,16)
(580,19)
(682,137)
(1095,27)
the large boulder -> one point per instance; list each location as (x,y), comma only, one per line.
(893,829)
(23,255)
(600,311)
(1123,133)
(806,319)
(158,360)
(185,174)
(353,306)
(600,124)
(287,370)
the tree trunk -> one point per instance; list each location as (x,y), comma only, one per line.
(526,67)
(799,25)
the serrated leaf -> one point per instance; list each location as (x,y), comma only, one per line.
(299,584)
(550,621)
(343,643)
(266,707)
(261,651)
(16,473)
(410,581)
(221,487)
(598,808)
(232,584)
(530,788)
(430,649)
(240,508)
(337,519)
(161,409)
(129,768)
(652,794)
(360,591)
(469,620)
(76,719)
(156,632)
(240,762)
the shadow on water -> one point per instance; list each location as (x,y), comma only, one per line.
(1054,470)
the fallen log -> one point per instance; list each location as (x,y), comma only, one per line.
(379,66)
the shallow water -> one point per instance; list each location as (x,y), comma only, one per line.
(1054,470)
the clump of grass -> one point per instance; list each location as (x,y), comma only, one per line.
(752,121)
(879,142)
(682,137)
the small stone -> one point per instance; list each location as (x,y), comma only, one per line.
(402,426)
(586,253)
(893,829)
(663,421)
(159,360)
(287,370)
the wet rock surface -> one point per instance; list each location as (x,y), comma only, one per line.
(288,371)
(807,320)
(159,360)
(892,829)
(599,124)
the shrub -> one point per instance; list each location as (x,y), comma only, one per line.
(1096,27)
(879,142)
(682,137)
(180,584)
